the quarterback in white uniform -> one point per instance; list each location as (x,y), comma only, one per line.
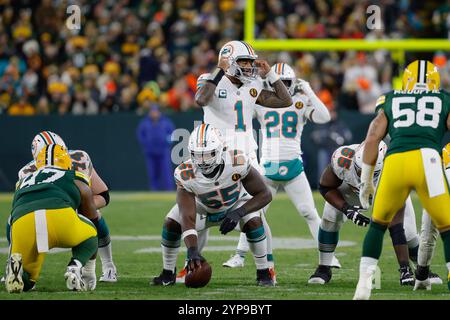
(216,187)
(81,162)
(281,160)
(339,185)
(228,96)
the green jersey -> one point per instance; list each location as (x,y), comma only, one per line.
(416,119)
(47,188)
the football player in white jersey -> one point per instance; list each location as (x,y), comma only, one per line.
(82,162)
(339,185)
(216,187)
(428,236)
(228,96)
(281,150)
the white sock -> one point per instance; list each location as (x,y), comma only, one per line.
(268,236)
(89,267)
(170,257)
(367,268)
(326,258)
(242,247)
(259,250)
(313,222)
(106,255)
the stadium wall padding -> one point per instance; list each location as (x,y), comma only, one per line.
(111,142)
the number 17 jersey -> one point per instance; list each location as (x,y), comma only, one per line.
(416,119)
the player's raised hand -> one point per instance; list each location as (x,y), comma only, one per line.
(366,192)
(223,63)
(263,67)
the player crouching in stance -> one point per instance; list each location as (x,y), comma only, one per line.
(210,192)
(416,119)
(43,217)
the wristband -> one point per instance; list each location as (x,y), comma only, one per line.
(188,233)
(216,76)
(272,76)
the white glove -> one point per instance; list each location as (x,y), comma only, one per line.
(302,85)
(366,192)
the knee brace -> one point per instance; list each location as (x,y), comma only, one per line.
(397,234)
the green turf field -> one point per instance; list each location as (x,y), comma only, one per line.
(135,221)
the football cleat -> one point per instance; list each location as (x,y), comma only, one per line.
(273,275)
(74,280)
(335,263)
(14,271)
(166,278)
(322,275)
(90,279)
(406,276)
(236,261)
(364,286)
(434,278)
(264,278)
(109,273)
(181,275)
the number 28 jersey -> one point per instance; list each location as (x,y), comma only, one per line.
(416,119)
(218,194)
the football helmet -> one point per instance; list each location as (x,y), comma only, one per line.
(54,155)
(421,75)
(357,163)
(235,51)
(206,148)
(43,139)
(287,75)
(446,156)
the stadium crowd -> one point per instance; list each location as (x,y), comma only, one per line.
(130,54)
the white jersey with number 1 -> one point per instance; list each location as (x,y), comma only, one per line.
(231,111)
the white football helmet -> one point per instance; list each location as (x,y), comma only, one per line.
(357,163)
(287,75)
(43,139)
(236,50)
(206,148)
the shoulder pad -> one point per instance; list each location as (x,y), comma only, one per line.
(81,161)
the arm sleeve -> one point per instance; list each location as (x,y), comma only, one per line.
(317,112)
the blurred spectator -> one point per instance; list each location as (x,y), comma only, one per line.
(154,135)
(21,108)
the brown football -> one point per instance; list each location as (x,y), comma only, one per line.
(199,277)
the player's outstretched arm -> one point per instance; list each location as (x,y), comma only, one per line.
(318,112)
(100,190)
(255,185)
(187,207)
(328,188)
(206,91)
(377,131)
(87,206)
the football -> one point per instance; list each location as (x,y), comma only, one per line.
(199,277)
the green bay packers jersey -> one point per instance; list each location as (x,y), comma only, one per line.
(47,188)
(416,119)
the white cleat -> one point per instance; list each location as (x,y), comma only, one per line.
(90,279)
(236,261)
(422,284)
(335,263)
(74,280)
(109,274)
(364,287)
(434,278)
(14,271)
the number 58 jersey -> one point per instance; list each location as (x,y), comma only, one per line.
(218,194)
(416,119)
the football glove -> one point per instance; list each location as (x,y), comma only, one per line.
(366,192)
(231,220)
(354,214)
(194,258)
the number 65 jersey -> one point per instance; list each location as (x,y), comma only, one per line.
(218,194)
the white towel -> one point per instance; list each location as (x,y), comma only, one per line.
(432,165)
(40,220)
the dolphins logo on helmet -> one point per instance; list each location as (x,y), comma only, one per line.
(239,50)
